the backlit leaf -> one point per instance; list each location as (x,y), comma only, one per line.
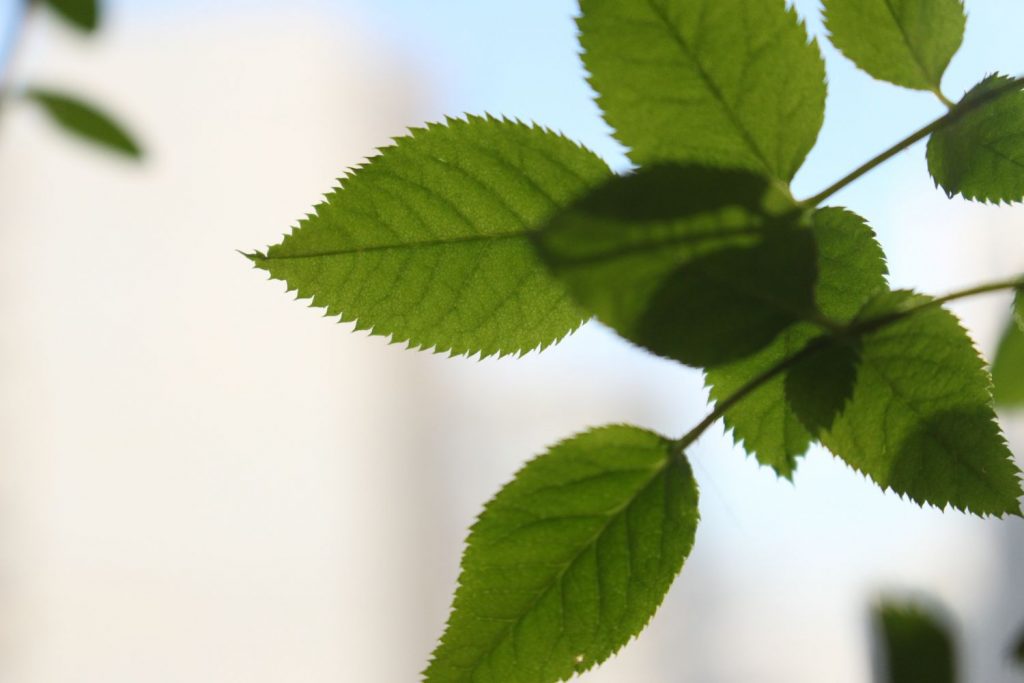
(696,264)
(981,155)
(427,242)
(920,420)
(906,42)
(851,269)
(1008,368)
(570,560)
(720,82)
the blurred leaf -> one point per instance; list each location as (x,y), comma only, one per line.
(981,154)
(920,420)
(85,121)
(692,263)
(851,269)
(428,241)
(570,560)
(728,83)
(1008,368)
(82,14)
(915,645)
(1018,649)
(906,42)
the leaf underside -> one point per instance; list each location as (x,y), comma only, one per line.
(920,419)
(570,560)
(980,156)
(699,81)
(85,121)
(427,242)
(906,42)
(851,269)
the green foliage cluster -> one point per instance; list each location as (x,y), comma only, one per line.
(493,237)
(71,112)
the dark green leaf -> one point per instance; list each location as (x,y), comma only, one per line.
(570,560)
(82,14)
(819,388)
(906,42)
(1018,650)
(720,82)
(920,420)
(915,645)
(697,264)
(1008,369)
(851,269)
(981,155)
(428,241)
(85,121)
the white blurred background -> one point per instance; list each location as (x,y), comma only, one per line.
(203,480)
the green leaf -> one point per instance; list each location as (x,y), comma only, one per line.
(85,121)
(720,82)
(82,14)
(1008,369)
(1018,650)
(1018,309)
(570,560)
(698,264)
(851,269)
(915,645)
(427,242)
(920,420)
(981,155)
(906,42)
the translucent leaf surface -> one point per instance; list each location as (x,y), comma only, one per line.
(693,263)
(851,269)
(427,241)
(85,121)
(906,42)
(1008,368)
(920,420)
(720,82)
(570,560)
(981,155)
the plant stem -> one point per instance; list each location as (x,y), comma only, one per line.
(957,110)
(680,445)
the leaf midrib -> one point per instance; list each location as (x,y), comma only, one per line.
(556,580)
(910,46)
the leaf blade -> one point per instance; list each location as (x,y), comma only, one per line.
(85,121)
(82,14)
(920,420)
(916,644)
(1008,368)
(905,42)
(980,155)
(427,242)
(702,275)
(569,560)
(724,59)
(851,269)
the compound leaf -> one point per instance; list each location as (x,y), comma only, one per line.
(570,560)
(981,154)
(906,42)
(697,264)
(920,420)
(731,83)
(915,645)
(1008,368)
(82,14)
(851,269)
(427,242)
(85,121)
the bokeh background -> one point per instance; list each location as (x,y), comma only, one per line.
(203,480)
